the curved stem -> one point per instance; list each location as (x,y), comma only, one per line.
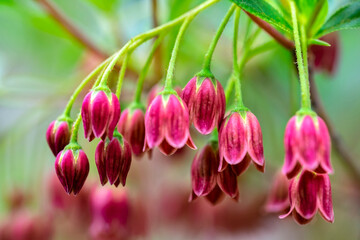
(80,88)
(210,52)
(304,50)
(122,74)
(145,69)
(75,129)
(304,83)
(171,68)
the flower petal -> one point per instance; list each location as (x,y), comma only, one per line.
(100,111)
(324,197)
(86,117)
(307,144)
(255,141)
(233,144)
(154,123)
(228,183)
(290,167)
(177,122)
(324,149)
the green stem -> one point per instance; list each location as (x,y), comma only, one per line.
(236,70)
(304,50)
(171,68)
(210,52)
(77,91)
(122,74)
(145,69)
(75,129)
(304,83)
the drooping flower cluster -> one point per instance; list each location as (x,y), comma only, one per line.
(207,181)
(307,151)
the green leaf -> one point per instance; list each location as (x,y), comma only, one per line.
(347,17)
(318,42)
(266,12)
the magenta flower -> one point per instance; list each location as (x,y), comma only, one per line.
(307,146)
(309,193)
(278,198)
(72,168)
(240,139)
(207,181)
(205,99)
(167,124)
(204,170)
(111,213)
(58,135)
(100,113)
(326,58)
(132,127)
(113,160)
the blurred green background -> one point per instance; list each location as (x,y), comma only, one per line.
(41,64)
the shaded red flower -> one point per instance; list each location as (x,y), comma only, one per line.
(308,194)
(207,181)
(132,127)
(326,58)
(167,124)
(113,160)
(205,99)
(100,113)
(307,146)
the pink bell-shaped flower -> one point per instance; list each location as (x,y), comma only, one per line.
(167,124)
(278,198)
(308,194)
(100,113)
(72,168)
(58,135)
(240,140)
(132,126)
(307,146)
(205,99)
(113,160)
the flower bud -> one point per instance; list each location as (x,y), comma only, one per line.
(205,99)
(309,193)
(132,127)
(113,160)
(72,168)
(240,135)
(278,198)
(100,113)
(58,135)
(307,146)
(167,124)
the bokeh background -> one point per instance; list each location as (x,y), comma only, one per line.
(41,64)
